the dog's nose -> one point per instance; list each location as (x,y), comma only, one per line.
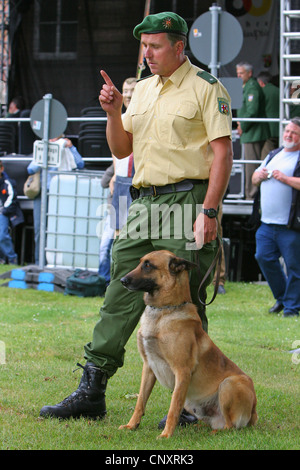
(125,281)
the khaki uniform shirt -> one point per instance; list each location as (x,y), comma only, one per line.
(172,125)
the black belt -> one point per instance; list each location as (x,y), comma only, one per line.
(184,185)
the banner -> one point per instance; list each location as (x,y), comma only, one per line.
(259,20)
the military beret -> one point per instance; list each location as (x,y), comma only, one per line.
(164,22)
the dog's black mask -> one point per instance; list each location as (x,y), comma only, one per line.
(145,285)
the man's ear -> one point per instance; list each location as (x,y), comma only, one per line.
(179,47)
(177,265)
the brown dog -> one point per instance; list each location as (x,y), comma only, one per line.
(177,351)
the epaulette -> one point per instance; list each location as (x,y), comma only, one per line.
(207,77)
(144,78)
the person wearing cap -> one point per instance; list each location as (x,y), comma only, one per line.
(178,126)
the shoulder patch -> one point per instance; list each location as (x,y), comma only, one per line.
(144,78)
(207,77)
(223,105)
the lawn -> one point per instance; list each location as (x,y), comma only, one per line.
(42,335)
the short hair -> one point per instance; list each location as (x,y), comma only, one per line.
(248,67)
(175,37)
(130,80)
(296,121)
(19,102)
(265,77)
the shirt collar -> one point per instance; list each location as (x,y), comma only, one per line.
(179,74)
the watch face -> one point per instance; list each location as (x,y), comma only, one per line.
(211,213)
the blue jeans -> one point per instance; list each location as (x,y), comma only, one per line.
(121,201)
(6,244)
(272,242)
(105,249)
(37,223)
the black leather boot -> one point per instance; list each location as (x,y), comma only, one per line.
(87,401)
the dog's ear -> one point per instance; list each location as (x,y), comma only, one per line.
(177,265)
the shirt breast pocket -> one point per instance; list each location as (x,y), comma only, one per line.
(181,121)
(138,115)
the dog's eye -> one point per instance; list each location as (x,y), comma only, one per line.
(147,266)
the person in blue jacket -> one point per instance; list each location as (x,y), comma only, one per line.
(10,213)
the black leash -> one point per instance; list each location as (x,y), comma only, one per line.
(217,259)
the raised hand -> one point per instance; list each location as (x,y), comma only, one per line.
(110,98)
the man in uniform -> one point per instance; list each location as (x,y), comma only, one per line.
(271,94)
(178,126)
(253,134)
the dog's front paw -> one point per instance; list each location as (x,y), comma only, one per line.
(165,435)
(128,426)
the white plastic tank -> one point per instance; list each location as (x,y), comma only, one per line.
(76,207)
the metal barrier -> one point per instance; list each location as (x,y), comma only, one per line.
(77,207)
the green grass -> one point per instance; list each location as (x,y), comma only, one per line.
(44,334)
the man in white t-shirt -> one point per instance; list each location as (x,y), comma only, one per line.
(273,238)
(123,172)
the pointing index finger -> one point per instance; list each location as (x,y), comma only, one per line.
(106,78)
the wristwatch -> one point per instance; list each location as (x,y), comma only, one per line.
(211,213)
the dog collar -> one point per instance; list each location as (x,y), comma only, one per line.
(169,307)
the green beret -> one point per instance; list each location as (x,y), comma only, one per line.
(164,22)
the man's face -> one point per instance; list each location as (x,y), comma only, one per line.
(127,93)
(291,137)
(12,108)
(242,73)
(161,56)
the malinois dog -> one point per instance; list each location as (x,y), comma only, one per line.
(180,355)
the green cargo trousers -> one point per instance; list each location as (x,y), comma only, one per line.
(154,223)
